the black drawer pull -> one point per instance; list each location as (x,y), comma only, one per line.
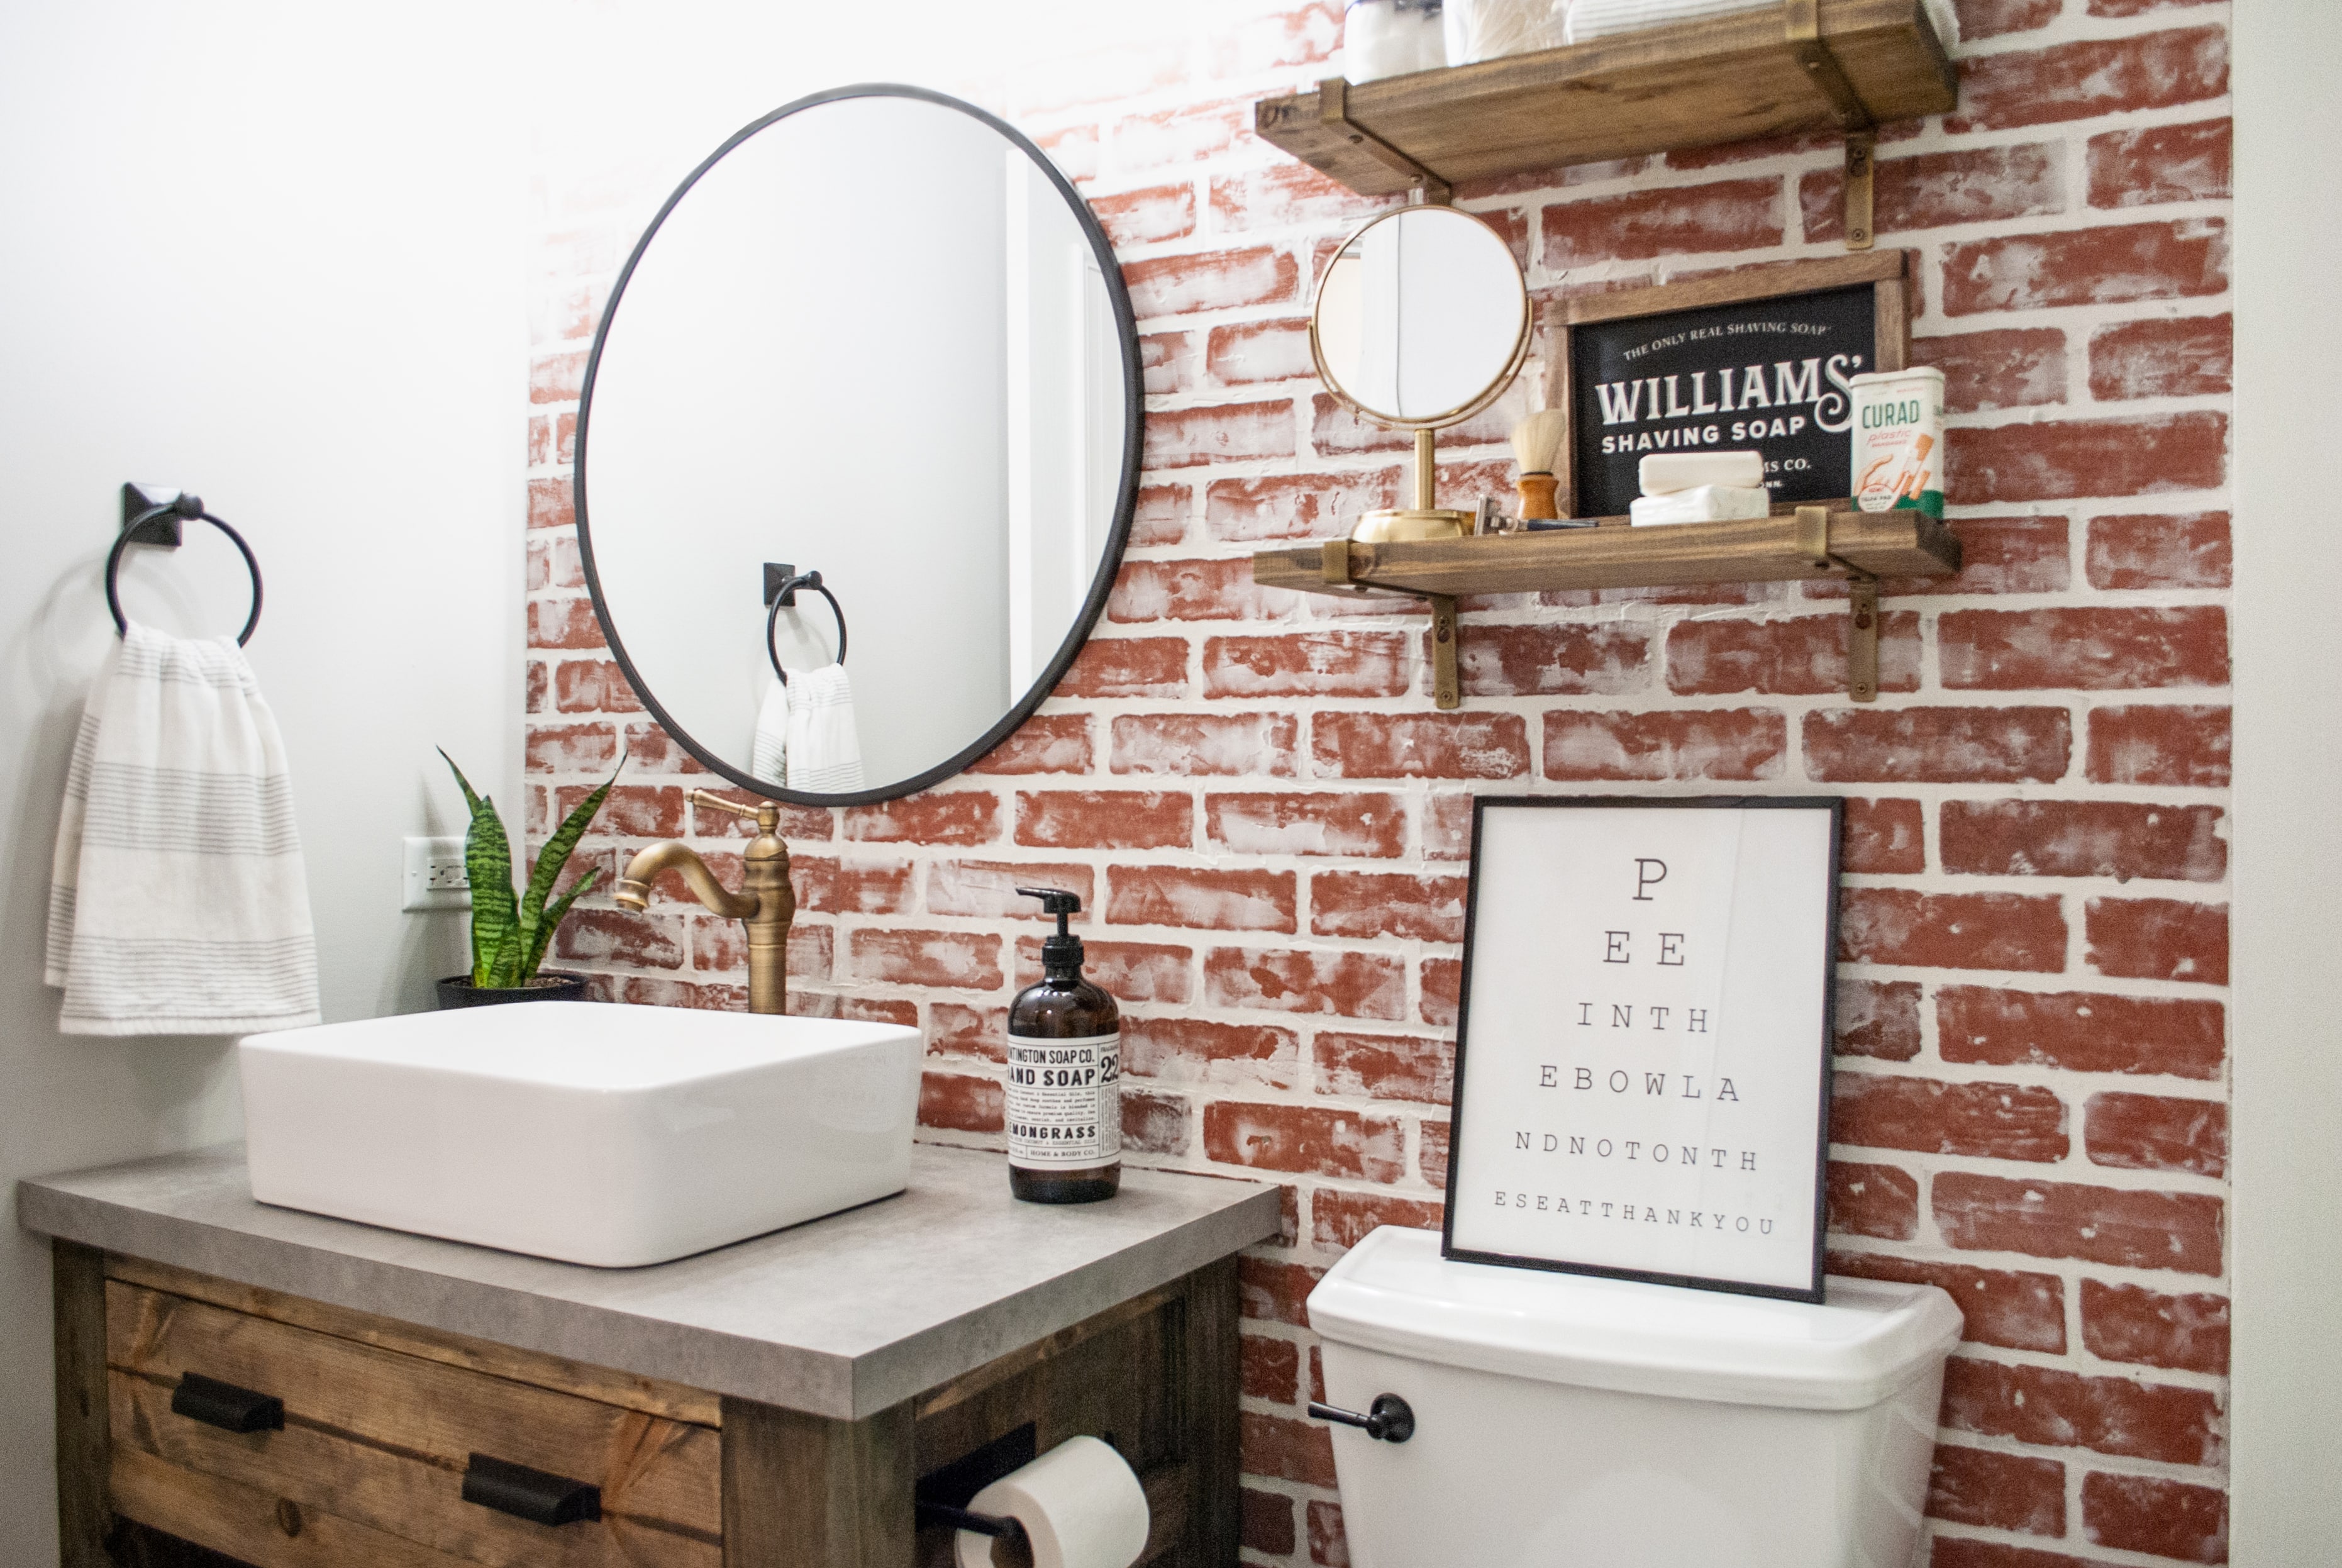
(226,1406)
(531,1494)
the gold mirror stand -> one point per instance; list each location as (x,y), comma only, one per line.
(1423,520)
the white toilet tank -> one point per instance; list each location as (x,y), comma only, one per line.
(1562,1421)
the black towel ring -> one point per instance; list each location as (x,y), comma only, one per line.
(785,597)
(190,506)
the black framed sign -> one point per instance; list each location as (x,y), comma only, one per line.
(1757,359)
(1642,1054)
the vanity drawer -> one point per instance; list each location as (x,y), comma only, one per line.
(369,1464)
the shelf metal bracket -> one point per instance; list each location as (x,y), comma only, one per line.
(1334,114)
(1802,21)
(1860,147)
(1447,691)
(1862,602)
(1862,637)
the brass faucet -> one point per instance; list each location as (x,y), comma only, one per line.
(765,902)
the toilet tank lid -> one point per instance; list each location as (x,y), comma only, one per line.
(1394,1292)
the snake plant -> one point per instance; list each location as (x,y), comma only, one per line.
(511,932)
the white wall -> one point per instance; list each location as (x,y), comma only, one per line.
(273,252)
(2286,926)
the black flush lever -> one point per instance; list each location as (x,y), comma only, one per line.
(1389,1418)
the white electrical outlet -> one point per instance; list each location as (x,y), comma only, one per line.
(436,879)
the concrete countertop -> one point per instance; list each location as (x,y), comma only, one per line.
(841,1317)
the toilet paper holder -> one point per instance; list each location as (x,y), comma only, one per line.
(960,1518)
(942,1493)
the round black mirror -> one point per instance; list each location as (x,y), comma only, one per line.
(875,336)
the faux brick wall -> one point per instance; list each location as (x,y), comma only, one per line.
(1268,819)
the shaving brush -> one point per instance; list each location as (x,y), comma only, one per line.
(1537,445)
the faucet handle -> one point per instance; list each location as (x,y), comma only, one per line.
(766,814)
(703,798)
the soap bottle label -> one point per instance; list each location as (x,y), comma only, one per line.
(1064,1099)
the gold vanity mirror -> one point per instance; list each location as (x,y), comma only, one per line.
(1421,321)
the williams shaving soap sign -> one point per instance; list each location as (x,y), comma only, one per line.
(1767,376)
(1759,359)
(1642,1068)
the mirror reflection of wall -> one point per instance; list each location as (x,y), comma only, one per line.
(791,373)
(1420,313)
(1064,417)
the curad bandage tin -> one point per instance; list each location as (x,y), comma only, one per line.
(1898,440)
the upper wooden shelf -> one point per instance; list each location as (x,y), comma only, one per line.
(1899,544)
(1808,66)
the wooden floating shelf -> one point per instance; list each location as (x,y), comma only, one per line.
(1818,542)
(1900,544)
(1837,65)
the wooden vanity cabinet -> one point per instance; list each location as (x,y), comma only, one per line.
(381,1422)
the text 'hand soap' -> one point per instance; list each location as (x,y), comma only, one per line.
(1065,1075)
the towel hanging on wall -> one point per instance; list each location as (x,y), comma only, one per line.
(179,899)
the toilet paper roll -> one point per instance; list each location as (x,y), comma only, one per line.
(1079,1503)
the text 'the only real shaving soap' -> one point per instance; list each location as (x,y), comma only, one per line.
(1065,1075)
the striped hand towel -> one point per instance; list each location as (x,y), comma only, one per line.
(178,902)
(769,756)
(825,748)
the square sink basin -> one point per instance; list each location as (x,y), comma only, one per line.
(593,1134)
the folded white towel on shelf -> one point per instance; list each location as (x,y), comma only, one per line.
(768,755)
(1592,19)
(178,902)
(825,748)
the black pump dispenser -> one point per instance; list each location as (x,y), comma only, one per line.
(1064,951)
(1063,1074)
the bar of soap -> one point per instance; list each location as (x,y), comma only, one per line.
(1702,503)
(1665,473)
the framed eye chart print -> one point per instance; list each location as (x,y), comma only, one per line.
(1643,1052)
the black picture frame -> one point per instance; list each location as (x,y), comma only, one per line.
(1577,323)
(1460,1135)
(1125,499)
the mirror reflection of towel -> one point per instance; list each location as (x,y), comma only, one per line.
(767,756)
(823,749)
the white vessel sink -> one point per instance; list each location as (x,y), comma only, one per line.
(599,1134)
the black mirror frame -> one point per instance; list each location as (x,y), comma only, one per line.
(1126,502)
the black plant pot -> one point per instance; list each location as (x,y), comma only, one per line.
(457,990)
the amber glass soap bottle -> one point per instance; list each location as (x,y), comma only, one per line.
(1065,1075)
